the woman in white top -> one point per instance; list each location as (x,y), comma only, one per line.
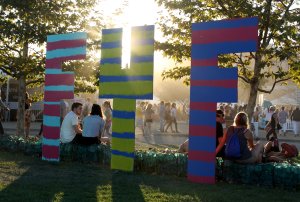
(93,127)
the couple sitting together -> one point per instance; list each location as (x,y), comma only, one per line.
(91,132)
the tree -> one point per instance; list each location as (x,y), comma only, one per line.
(279,39)
(24,26)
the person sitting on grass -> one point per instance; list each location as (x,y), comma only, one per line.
(93,127)
(249,152)
(70,131)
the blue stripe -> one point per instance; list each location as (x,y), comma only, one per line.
(51,142)
(123,114)
(202,143)
(109,45)
(214,73)
(213,94)
(121,153)
(52,103)
(223,24)
(138,59)
(123,135)
(66,52)
(110,61)
(200,168)
(142,42)
(112,31)
(57,71)
(137,97)
(53,121)
(143,28)
(59,88)
(125,78)
(70,36)
(50,159)
(205,51)
(202,117)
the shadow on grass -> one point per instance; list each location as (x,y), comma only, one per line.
(24,178)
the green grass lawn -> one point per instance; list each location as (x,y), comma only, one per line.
(24,178)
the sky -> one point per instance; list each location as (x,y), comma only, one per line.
(137,13)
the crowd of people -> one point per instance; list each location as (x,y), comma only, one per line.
(237,141)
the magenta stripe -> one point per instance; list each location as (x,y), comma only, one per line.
(52,110)
(65,44)
(53,63)
(205,106)
(51,132)
(50,152)
(207,131)
(56,96)
(201,179)
(202,156)
(215,83)
(59,79)
(205,62)
(224,35)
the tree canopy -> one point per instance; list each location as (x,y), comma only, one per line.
(279,39)
(278,34)
(27,23)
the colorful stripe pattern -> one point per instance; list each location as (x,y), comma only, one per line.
(211,84)
(58,85)
(125,86)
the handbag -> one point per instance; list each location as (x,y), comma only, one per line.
(279,126)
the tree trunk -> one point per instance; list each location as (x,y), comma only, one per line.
(254,84)
(21,106)
(252,98)
(21,97)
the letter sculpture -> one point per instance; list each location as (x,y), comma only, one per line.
(211,84)
(58,85)
(125,86)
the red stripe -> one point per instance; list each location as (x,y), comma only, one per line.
(202,156)
(51,132)
(224,35)
(207,131)
(55,63)
(205,106)
(65,44)
(56,96)
(205,62)
(52,110)
(50,152)
(202,179)
(215,83)
(59,79)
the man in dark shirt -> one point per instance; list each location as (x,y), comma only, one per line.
(219,130)
(295,117)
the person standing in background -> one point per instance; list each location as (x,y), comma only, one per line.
(161,116)
(27,120)
(2,106)
(282,119)
(108,118)
(86,109)
(295,117)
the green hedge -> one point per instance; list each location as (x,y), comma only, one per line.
(283,175)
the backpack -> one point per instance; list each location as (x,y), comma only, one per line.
(233,148)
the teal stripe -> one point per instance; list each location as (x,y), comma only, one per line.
(49,159)
(57,71)
(52,103)
(51,142)
(66,52)
(70,36)
(53,121)
(59,88)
